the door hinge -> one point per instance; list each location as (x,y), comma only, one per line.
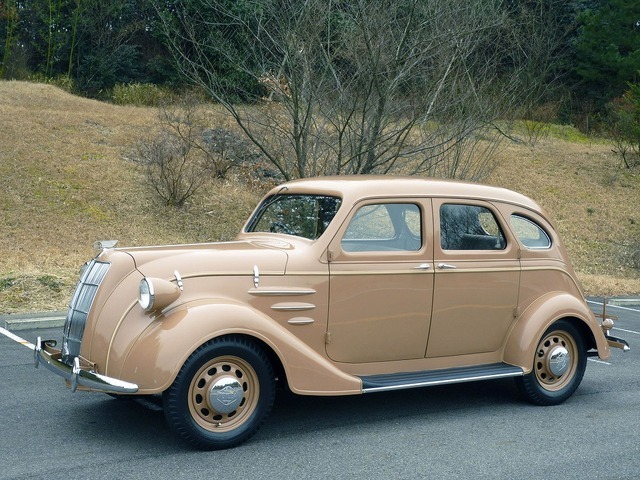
(327,338)
(330,255)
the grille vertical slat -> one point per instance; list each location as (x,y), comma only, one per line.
(79,308)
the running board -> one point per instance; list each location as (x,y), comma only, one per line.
(400,381)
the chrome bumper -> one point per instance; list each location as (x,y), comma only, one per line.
(616,342)
(607,326)
(45,354)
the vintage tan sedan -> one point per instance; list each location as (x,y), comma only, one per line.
(335,286)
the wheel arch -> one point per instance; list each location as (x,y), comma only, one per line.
(276,362)
(156,356)
(585,332)
(540,315)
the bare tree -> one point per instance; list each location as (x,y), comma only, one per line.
(359,87)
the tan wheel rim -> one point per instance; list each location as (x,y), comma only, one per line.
(556,360)
(228,378)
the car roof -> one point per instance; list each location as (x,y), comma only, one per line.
(353,188)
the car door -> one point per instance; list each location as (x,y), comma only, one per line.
(477,276)
(381,283)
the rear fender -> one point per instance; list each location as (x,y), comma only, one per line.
(540,315)
(156,356)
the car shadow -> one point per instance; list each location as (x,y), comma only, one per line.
(139,423)
(301,415)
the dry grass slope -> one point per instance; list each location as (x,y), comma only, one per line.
(594,203)
(67,182)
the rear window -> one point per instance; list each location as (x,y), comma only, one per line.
(530,234)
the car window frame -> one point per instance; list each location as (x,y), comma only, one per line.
(338,254)
(511,244)
(550,242)
(500,237)
(258,214)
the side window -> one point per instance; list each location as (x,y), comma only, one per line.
(384,227)
(469,227)
(530,233)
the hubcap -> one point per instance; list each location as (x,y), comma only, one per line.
(226,395)
(559,361)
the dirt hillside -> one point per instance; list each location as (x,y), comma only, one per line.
(67,180)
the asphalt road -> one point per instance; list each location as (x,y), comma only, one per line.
(471,431)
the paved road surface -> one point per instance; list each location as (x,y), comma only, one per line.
(471,431)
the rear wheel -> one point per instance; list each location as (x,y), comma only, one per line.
(221,396)
(558,366)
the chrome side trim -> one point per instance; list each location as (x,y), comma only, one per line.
(300,321)
(45,355)
(292,307)
(272,292)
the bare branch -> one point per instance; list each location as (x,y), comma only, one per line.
(364,87)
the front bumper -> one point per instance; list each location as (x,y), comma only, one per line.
(45,354)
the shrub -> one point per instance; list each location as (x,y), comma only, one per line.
(171,169)
(64,82)
(226,149)
(188,152)
(141,94)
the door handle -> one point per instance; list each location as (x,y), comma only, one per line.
(422,266)
(446,266)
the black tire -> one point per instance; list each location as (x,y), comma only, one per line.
(222,394)
(558,367)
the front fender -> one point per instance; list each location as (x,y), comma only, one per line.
(542,313)
(155,358)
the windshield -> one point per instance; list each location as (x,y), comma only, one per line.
(306,216)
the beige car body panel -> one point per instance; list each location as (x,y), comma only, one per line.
(331,316)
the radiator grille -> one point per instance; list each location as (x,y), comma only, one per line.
(86,290)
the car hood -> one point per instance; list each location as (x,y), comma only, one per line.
(207,259)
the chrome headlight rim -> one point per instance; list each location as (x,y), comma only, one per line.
(146,294)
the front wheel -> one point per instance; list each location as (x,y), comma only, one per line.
(558,366)
(222,394)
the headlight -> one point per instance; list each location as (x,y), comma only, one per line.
(154,294)
(146,294)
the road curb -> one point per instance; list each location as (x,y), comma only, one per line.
(33,320)
(624,302)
